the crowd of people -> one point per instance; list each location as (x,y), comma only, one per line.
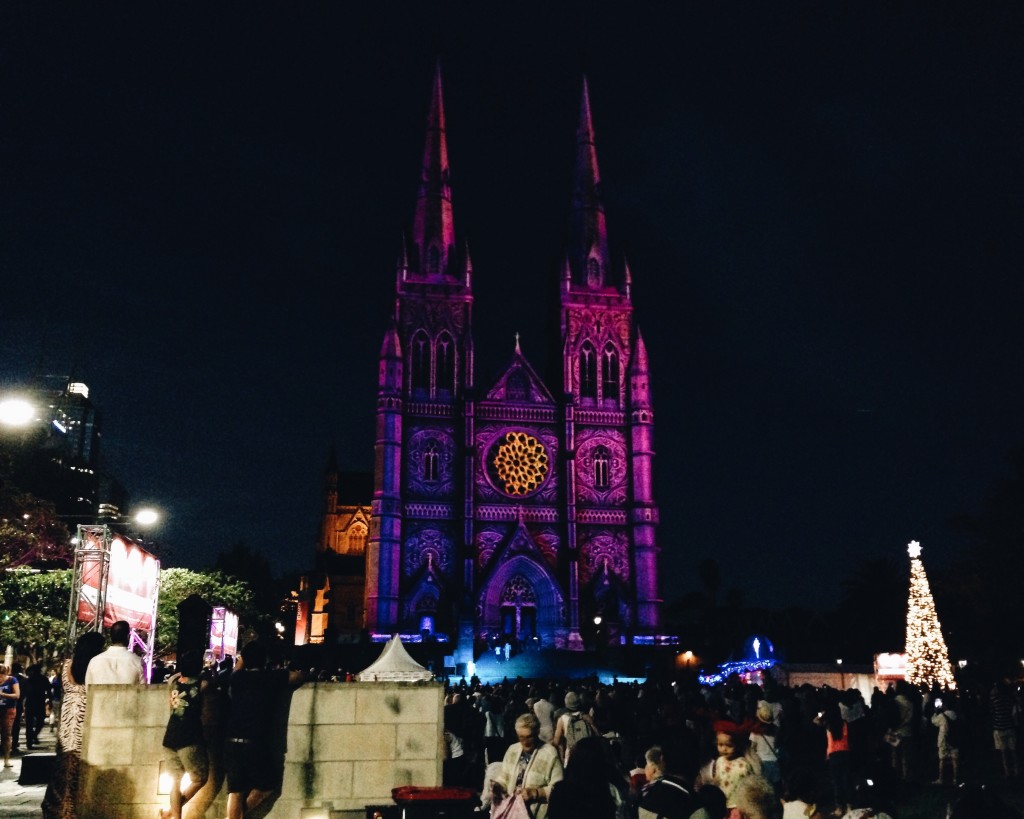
(547,749)
(220,724)
(29,700)
(740,750)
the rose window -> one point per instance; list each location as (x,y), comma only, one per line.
(521,463)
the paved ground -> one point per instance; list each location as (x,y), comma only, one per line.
(23,801)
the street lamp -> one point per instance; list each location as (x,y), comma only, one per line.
(109,515)
(16,412)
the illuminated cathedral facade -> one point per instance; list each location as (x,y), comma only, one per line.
(518,511)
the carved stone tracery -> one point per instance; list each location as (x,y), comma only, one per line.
(601,549)
(427,546)
(518,592)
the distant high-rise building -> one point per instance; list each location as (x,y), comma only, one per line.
(58,457)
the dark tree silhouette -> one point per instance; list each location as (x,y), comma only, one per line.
(872,612)
(982,590)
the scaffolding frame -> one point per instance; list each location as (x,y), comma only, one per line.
(86,557)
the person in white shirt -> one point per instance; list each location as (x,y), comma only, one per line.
(117,664)
(544,709)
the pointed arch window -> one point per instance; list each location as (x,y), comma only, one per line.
(356,540)
(593,272)
(445,363)
(610,373)
(601,458)
(431,463)
(420,371)
(588,371)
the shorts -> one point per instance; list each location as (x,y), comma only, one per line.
(251,766)
(949,752)
(1005,740)
(191,759)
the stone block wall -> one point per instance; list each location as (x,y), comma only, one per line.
(348,745)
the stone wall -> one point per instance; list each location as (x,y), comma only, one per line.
(348,745)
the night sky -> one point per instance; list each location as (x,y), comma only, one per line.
(201,207)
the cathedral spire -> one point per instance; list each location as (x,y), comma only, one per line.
(588,240)
(402,267)
(433,233)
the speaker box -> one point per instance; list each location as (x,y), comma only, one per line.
(36,769)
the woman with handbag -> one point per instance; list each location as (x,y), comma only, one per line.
(529,770)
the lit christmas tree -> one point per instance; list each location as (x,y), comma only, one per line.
(927,656)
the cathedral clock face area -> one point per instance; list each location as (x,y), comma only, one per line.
(518,464)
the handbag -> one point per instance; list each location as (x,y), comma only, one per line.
(512,807)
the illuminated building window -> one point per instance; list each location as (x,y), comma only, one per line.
(593,273)
(420,373)
(356,540)
(601,467)
(445,363)
(610,373)
(588,371)
(431,460)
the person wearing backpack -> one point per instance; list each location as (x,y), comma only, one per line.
(950,737)
(572,726)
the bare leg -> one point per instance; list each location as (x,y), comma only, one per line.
(176,801)
(236,806)
(255,799)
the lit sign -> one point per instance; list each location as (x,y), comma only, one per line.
(891,665)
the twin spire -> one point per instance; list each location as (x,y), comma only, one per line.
(589,262)
(431,254)
(433,231)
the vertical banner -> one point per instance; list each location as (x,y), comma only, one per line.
(91,558)
(223,633)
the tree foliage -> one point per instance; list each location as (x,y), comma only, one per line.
(34,612)
(216,588)
(30,532)
(244,563)
(983,588)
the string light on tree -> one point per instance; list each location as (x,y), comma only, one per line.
(927,656)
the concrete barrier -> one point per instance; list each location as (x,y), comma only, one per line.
(348,745)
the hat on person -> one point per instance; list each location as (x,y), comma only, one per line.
(572,701)
(726,726)
(764,711)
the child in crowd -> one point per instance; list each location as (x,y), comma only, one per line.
(800,796)
(734,762)
(755,798)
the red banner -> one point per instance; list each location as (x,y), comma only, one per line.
(132,582)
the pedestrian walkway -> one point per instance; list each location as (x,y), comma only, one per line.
(23,801)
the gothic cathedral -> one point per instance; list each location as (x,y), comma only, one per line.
(523,511)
